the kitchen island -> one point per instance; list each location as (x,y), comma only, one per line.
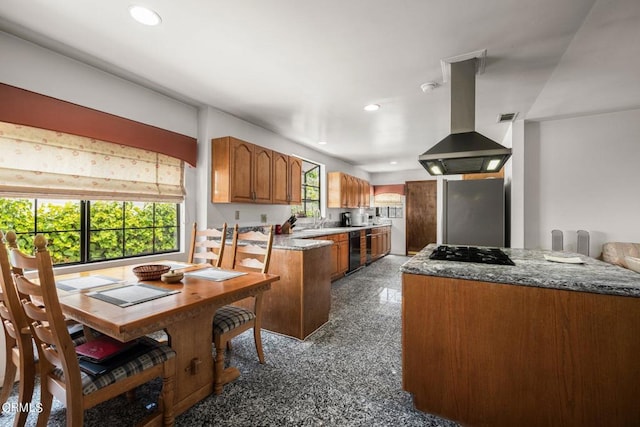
(299,303)
(538,343)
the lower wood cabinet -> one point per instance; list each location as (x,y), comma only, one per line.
(380,242)
(299,303)
(493,354)
(339,253)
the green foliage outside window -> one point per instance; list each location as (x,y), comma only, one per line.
(310,191)
(114,229)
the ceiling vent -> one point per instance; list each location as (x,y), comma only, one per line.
(507,117)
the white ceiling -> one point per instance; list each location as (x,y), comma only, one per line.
(305,69)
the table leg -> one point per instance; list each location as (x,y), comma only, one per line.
(191,339)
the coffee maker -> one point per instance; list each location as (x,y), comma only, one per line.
(345,219)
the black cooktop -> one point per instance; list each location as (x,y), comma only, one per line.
(471,254)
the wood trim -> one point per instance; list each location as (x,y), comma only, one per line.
(393,188)
(28,108)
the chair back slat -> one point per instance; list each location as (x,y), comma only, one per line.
(207,245)
(33,311)
(252,256)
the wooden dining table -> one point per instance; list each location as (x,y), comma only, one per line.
(186,316)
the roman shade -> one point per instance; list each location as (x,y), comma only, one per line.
(40,163)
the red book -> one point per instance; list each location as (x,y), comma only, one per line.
(102,348)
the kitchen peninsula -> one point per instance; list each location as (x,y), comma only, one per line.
(307,261)
(538,343)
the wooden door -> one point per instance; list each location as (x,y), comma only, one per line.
(262,175)
(280,185)
(242,165)
(295,180)
(421,225)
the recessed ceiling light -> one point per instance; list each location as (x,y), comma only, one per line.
(372,107)
(393,162)
(144,15)
(322,142)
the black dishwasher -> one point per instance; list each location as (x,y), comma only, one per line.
(354,251)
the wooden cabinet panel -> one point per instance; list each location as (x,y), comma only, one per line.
(287,179)
(262,174)
(280,178)
(366,194)
(295,180)
(344,191)
(242,165)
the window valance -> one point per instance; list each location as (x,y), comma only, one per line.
(46,164)
(28,108)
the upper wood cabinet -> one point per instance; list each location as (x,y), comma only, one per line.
(346,191)
(242,172)
(287,179)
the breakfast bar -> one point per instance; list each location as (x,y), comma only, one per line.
(535,343)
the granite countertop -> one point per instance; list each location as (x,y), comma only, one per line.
(302,240)
(532,269)
(296,244)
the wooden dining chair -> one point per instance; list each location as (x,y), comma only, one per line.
(230,321)
(21,262)
(19,350)
(60,373)
(207,245)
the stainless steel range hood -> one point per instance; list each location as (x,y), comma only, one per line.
(464,150)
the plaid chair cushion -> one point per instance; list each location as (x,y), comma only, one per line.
(230,317)
(158,353)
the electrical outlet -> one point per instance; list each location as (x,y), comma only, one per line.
(263,218)
(330,216)
(237,214)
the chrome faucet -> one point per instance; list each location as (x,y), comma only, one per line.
(318,221)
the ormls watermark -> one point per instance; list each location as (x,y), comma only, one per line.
(14,407)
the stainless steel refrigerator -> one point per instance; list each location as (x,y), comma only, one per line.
(474,212)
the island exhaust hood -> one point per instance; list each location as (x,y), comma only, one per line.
(464,150)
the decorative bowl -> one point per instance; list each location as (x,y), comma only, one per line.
(172,277)
(150,271)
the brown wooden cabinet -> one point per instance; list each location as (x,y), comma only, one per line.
(346,191)
(380,242)
(339,253)
(287,179)
(243,172)
(494,354)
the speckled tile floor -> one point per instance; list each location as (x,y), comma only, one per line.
(348,373)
